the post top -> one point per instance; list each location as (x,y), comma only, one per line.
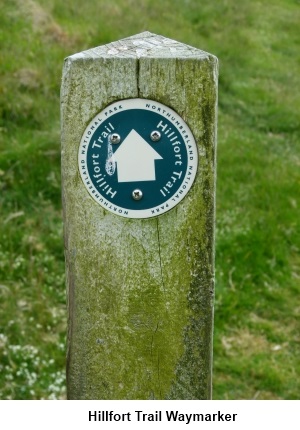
(141,45)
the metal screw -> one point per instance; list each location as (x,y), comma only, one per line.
(137,194)
(155,136)
(115,138)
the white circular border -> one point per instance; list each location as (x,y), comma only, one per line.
(182,128)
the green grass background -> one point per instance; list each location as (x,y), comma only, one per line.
(256,339)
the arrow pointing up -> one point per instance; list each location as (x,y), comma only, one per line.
(135,159)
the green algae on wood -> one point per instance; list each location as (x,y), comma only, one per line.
(140,291)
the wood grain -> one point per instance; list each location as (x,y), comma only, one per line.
(140,291)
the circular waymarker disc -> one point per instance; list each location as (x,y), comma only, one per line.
(138,158)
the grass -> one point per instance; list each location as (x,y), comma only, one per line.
(256,346)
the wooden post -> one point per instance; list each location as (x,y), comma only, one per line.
(140,265)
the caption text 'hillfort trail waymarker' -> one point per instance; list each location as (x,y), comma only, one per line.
(138,182)
(137,158)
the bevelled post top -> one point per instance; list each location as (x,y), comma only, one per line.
(144,44)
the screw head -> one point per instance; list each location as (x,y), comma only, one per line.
(115,138)
(137,194)
(155,136)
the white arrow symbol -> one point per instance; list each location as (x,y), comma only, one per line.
(135,159)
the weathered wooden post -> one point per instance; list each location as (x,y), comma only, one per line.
(138,171)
